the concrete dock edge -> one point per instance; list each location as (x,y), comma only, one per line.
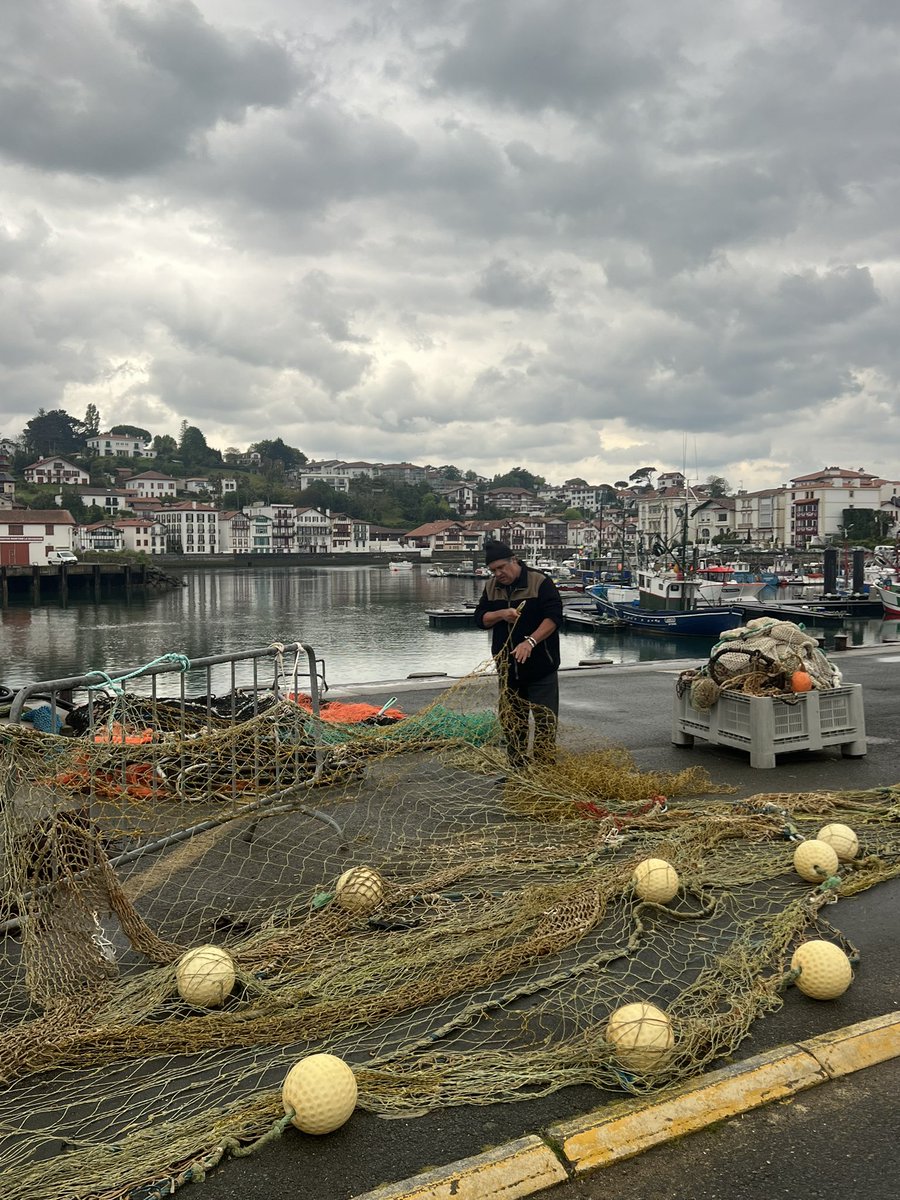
(519,1168)
(601,1138)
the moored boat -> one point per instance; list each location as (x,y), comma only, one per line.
(402,564)
(697,622)
(890,600)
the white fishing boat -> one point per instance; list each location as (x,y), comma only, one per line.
(890,599)
(402,564)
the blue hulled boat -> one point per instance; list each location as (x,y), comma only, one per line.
(697,622)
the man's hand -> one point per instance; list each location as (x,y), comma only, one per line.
(522,652)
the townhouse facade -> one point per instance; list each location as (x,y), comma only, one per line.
(120,445)
(245,533)
(151,485)
(190,527)
(445,537)
(819,500)
(142,535)
(56,470)
(111,499)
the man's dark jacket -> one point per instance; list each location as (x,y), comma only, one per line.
(542,599)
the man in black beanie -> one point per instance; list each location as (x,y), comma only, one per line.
(523,610)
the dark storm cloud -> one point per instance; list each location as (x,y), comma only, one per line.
(120,90)
(318,156)
(386,229)
(569,55)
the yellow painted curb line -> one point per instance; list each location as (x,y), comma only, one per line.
(857,1046)
(622,1130)
(612,1134)
(519,1168)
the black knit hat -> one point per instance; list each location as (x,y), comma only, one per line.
(494,551)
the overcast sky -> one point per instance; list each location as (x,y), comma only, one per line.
(579,236)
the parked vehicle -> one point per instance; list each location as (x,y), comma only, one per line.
(61,556)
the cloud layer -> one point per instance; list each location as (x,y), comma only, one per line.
(574,235)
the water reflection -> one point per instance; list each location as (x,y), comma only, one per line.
(367,623)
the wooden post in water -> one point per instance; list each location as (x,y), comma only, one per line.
(36,584)
(128,579)
(95,580)
(4,587)
(63,583)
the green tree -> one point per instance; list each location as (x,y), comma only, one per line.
(165,446)
(519,477)
(864,525)
(134,431)
(573,514)
(433,508)
(717,486)
(195,454)
(278,455)
(322,495)
(642,476)
(91,422)
(53,432)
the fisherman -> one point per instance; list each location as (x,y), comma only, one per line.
(523,610)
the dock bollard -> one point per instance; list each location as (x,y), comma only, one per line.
(840,641)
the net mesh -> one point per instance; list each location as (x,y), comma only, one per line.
(495,929)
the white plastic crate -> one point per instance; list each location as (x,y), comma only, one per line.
(770,725)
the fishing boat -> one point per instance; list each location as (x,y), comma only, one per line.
(890,600)
(402,564)
(437,573)
(608,597)
(707,622)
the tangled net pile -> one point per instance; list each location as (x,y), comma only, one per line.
(760,659)
(506,933)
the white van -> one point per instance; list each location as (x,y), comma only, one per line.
(61,556)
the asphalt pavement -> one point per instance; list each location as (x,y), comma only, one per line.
(834,1137)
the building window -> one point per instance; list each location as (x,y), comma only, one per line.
(16,530)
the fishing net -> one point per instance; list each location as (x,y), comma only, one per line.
(486,931)
(760,659)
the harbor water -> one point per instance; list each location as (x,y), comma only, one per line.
(366,623)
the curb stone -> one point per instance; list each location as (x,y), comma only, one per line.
(619,1131)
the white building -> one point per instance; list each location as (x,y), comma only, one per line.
(151,485)
(348,534)
(818,501)
(283,527)
(761,518)
(120,445)
(100,535)
(245,533)
(102,495)
(462,497)
(27,535)
(143,535)
(56,470)
(313,531)
(191,528)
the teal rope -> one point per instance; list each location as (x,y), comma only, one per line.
(114,685)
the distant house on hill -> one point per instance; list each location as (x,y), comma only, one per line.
(56,470)
(151,485)
(120,445)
